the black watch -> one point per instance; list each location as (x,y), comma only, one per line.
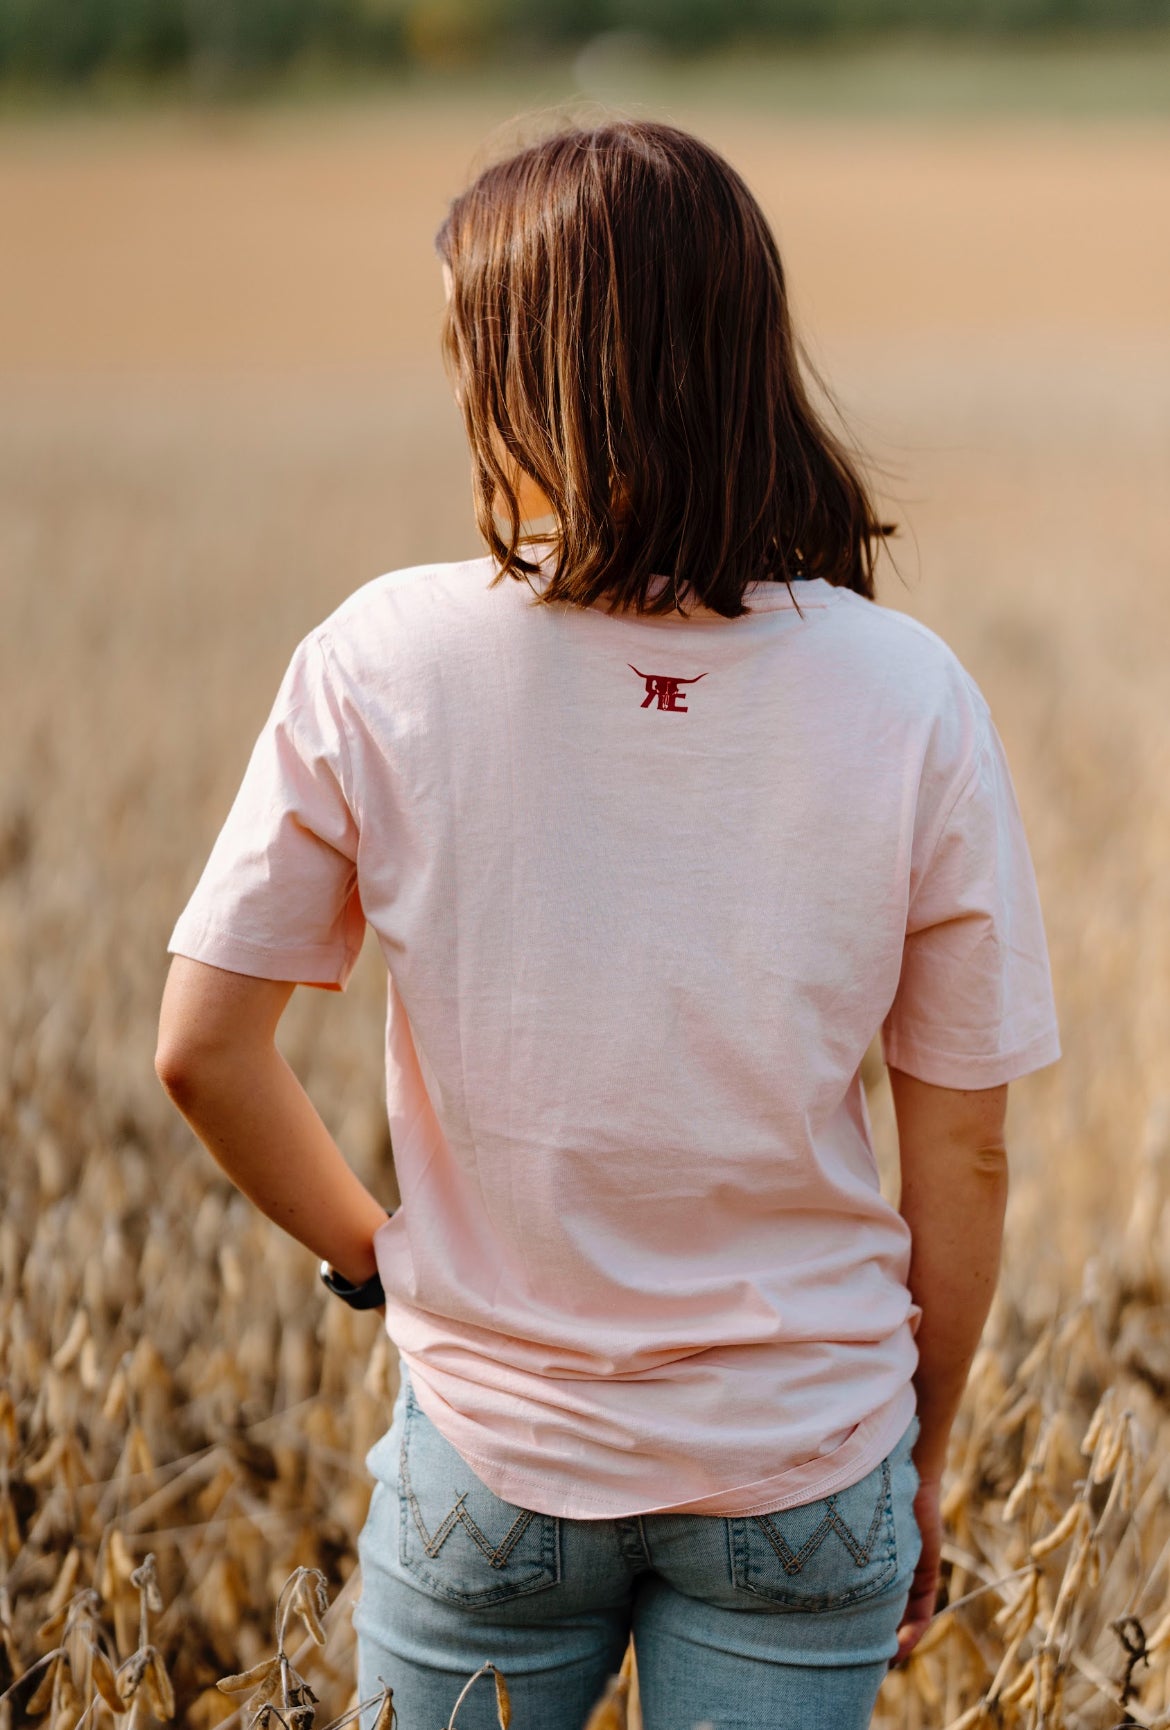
(367,1296)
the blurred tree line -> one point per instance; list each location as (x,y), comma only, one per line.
(71,40)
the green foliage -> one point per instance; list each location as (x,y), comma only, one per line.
(71,40)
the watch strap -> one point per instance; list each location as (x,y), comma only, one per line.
(367,1296)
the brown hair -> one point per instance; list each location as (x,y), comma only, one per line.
(618,330)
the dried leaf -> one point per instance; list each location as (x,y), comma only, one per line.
(1113,1447)
(102,1673)
(43,1692)
(9,1526)
(157,1686)
(139,1460)
(128,1676)
(610,1713)
(117,1569)
(69,1350)
(299,1693)
(387,1716)
(53,1625)
(114,1403)
(310,1601)
(8,1427)
(65,1582)
(65,1694)
(1160,1638)
(503,1700)
(42,1470)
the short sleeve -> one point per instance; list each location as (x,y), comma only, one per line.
(974,1005)
(278,898)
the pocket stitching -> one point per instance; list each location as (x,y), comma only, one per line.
(497,1557)
(792,1561)
(740,1553)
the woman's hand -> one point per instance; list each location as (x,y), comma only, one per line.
(924,1586)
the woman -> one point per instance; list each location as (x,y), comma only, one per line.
(658,819)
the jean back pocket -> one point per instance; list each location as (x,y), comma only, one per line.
(461,1542)
(824,1555)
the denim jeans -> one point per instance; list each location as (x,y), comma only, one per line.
(783,1621)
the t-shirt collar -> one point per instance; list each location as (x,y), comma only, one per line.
(762,597)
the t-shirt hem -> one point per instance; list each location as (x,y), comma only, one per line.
(315,965)
(869,1443)
(951,1069)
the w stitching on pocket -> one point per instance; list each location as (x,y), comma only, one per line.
(792,1561)
(526,1559)
(766,1564)
(497,1554)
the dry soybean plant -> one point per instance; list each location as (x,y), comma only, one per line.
(1056,1515)
(77,1675)
(173,1387)
(183,1424)
(1056,1612)
(279,1694)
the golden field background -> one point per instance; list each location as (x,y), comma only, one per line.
(221,409)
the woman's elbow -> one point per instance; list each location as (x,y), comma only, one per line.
(179,1065)
(211,1024)
(191,1056)
(989,1160)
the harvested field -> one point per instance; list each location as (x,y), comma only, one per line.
(221,409)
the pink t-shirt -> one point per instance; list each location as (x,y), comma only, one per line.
(646,889)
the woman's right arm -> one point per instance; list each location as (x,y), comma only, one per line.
(954,1192)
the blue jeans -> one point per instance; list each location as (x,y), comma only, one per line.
(776,1622)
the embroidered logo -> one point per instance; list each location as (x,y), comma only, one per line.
(666,690)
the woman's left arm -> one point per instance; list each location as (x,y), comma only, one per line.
(218,1061)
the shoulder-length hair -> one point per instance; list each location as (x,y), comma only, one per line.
(618,330)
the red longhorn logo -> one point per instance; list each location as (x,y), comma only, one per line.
(666,690)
